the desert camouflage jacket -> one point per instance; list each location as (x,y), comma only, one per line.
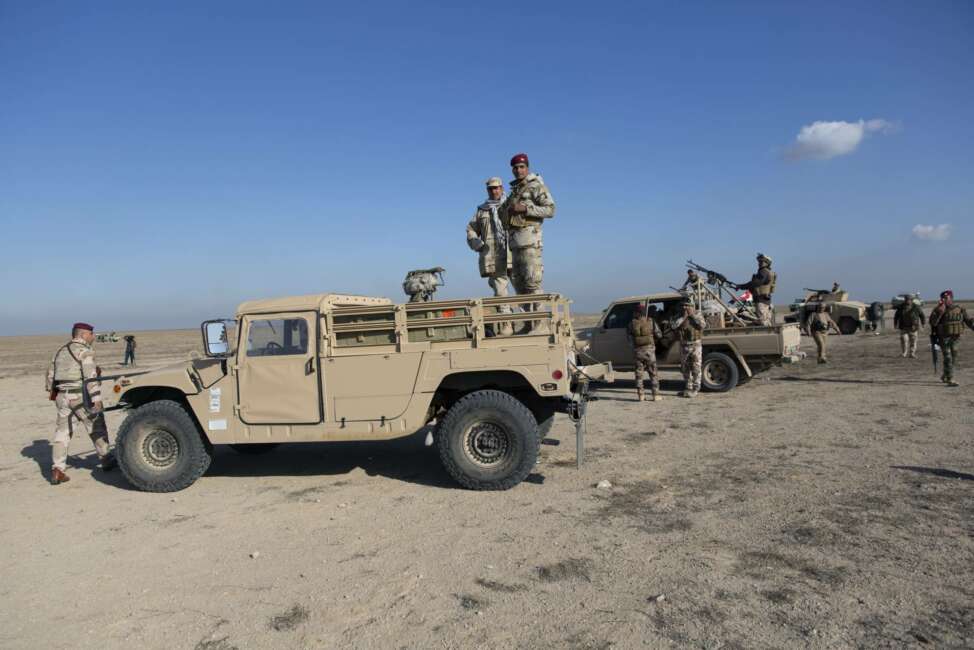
(525,228)
(482,236)
(73,362)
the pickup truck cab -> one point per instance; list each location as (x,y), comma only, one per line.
(329,367)
(730,354)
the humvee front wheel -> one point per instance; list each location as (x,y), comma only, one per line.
(719,372)
(848,325)
(160,449)
(488,440)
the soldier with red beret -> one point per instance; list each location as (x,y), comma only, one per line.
(73,363)
(524,210)
(947,321)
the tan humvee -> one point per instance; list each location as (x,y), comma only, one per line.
(337,367)
(730,354)
(849,315)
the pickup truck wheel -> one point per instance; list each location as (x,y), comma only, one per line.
(159,448)
(847,325)
(488,440)
(720,373)
(254,448)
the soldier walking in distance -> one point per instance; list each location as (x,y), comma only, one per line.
(819,324)
(487,235)
(70,365)
(948,321)
(761,287)
(644,332)
(874,316)
(908,319)
(129,350)
(526,207)
(689,326)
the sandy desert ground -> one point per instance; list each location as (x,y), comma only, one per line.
(819,507)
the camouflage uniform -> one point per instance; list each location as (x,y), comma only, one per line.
(644,332)
(487,236)
(762,286)
(524,233)
(908,319)
(690,330)
(819,325)
(69,365)
(948,323)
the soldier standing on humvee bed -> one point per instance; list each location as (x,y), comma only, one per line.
(947,320)
(70,365)
(908,319)
(761,287)
(523,211)
(486,235)
(689,326)
(644,332)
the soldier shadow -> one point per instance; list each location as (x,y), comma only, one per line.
(407,459)
(39,451)
(623,389)
(936,471)
(831,380)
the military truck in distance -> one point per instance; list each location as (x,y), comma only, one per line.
(730,353)
(849,315)
(331,367)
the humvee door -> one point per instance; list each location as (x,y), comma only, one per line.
(611,340)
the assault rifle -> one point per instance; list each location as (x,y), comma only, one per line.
(713,277)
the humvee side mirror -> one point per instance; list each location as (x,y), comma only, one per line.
(215,341)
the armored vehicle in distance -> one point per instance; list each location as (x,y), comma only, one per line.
(332,367)
(849,315)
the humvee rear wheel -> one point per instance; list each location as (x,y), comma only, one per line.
(160,449)
(848,325)
(720,373)
(488,440)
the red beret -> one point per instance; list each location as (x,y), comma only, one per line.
(947,293)
(83,326)
(519,158)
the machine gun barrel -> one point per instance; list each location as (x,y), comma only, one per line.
(713,277)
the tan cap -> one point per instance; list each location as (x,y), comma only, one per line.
(495,181)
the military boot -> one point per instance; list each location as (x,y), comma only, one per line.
(640,397)
(657,397)
(952,383)
(108,462)
(691,393)
(58,477)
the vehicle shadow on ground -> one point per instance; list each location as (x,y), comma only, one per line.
(623,390)
(890,382)
(936,471)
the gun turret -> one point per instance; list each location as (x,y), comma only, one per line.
(713,277)
(421,284)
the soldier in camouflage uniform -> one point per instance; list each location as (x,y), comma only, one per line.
(487,235)
(644,332)
(948,321)
(909,318)
(689,326)
(761,287)
(527,205)
(819,325)
(72,363)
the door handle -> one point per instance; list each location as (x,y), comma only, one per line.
(309,367)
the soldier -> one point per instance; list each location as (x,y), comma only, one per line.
(836,288)
(129,350)
(908,319)
(761,287)
(689,326)
(644,332)
(486,235)
(948,321)
(70,365)
(819,324)
(692,281)
(523,211)
(874,314)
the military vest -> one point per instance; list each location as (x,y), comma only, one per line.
(689,333)
(67,366)
(765,290)
(909,321)
(819,324)
(642,332)
(952,322)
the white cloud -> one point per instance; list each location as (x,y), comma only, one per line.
(931,232)
(824,140)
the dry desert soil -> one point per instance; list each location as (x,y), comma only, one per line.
(813,507)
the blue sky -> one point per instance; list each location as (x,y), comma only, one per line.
(160,162)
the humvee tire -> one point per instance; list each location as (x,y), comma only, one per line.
(719,373)
(848,325)
(488,440)
(160,449)
(254,448)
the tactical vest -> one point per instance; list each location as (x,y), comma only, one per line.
(952,322)
(819,324)
(642,332)
(688,333)
(765,290)
(67,367)
(908,320)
